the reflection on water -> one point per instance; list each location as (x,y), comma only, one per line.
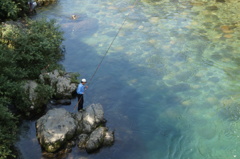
(169,84)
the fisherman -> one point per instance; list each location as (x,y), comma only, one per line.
(80,91)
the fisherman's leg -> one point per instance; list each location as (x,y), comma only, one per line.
(80,101)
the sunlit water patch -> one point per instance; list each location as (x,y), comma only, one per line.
(169,83)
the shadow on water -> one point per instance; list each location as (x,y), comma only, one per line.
(116,86)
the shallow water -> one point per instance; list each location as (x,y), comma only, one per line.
(169,83)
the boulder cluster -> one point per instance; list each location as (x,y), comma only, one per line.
(59,127)
(58,130)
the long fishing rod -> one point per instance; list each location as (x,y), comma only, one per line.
(125,19)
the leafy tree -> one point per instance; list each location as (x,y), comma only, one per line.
(12,9)
(36,46)
(8,129)
(26,49)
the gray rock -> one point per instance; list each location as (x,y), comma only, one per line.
(37,102)
(96,139)
(61,82)
(79,120)
(92,117)
(30,87)
(108,138)
(55,128)
(82,141)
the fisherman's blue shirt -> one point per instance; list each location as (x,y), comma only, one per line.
(80,89)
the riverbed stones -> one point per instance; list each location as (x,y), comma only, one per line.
(59,127)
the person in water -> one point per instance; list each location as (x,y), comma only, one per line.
(80,91)
(32,5)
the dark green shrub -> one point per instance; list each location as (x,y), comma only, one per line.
(8,130)
(26,50)
(44,94)
(74,77)
(36,46)
(12,9)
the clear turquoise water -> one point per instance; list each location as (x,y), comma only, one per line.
(169,83)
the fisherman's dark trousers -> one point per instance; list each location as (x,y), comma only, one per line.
(80,101)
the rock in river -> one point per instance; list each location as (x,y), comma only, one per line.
(58,127)
(55,128)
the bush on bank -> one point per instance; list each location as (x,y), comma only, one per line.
(26,50)
(12,9)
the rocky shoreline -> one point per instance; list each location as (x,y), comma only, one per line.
(59,130)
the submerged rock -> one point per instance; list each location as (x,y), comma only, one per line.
(221,1)
(211,8)
(83,138)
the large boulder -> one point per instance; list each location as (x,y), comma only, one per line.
(37,96)
(96,139)
(55,128)
(100,137)
(92,117)
(94,134)
(61,82)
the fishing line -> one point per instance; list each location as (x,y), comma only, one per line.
(125,19)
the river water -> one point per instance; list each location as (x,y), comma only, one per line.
(169,83)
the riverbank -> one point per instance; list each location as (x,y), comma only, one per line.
(27,49)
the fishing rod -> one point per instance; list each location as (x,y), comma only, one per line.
(125,19)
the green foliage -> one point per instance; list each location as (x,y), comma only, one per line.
(8,129)
(36,46)
(26,50)
(12,9)
(44,93)
(21,101)
(31,109)
(74,77)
